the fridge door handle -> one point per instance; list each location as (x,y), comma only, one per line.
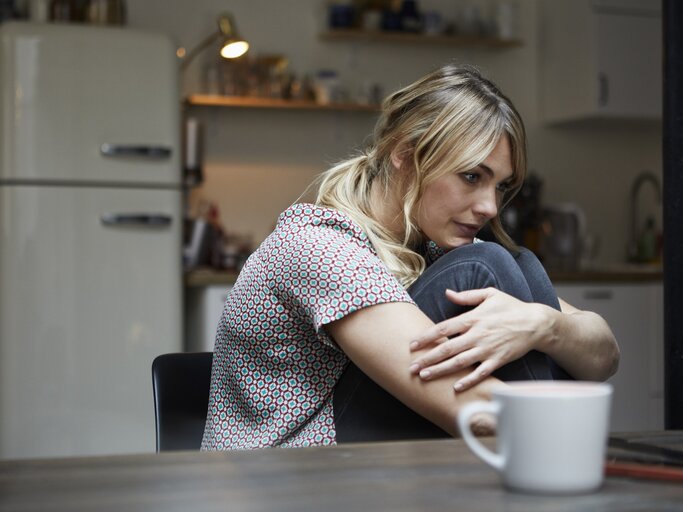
(135,151)
(136,219)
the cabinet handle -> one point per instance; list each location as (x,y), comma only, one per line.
(133,151)
(136,219)
(598,294)
(603,89)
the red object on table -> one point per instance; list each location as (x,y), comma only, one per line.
(646,471)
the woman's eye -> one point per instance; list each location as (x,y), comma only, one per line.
(470,177)
(503,187)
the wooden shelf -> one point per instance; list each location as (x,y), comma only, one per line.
(403,37)
(208,100)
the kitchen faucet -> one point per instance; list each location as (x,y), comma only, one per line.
(638,182)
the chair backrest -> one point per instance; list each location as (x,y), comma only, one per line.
(181,399)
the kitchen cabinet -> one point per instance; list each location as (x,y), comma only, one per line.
(635,313)
(600,59)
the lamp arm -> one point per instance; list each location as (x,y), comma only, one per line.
(190,56)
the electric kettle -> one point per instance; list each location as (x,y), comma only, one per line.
(563,231)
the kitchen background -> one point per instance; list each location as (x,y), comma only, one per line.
(258,161)
(585,75)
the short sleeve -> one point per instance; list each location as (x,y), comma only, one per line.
(327,271)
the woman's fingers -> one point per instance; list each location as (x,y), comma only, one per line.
(496,331)
(450,356)
(456,325)
(440,333)
(470,297)
(476,376)
(465,359)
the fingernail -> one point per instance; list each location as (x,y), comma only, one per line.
(414,368)
(413,345)
(458,387)
(425,374)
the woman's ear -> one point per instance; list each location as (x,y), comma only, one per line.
(399,156)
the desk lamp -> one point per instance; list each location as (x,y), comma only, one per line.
(232,46)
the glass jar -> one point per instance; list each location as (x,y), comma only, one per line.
(326,86)
(39,11)
(106,12)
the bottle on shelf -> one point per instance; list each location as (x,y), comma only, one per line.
(193,153)
(505,20)
(411,19)
(39,11)
(218,238)
(327,87)
(648,242)
(63,11)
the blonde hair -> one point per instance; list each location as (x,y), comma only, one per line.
(448,121)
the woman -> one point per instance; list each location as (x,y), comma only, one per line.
(328,290)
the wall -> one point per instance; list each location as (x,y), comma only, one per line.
(258,162)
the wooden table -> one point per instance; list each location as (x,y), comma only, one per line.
(426,475)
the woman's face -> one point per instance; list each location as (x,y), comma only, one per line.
(456,206)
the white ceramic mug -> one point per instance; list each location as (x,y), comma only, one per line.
(551,436)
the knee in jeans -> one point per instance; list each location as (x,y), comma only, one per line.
(493,254)
(523,252)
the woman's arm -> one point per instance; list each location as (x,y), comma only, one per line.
(581,342)
(501,328)
(376,339)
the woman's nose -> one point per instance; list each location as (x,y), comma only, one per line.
(487,204)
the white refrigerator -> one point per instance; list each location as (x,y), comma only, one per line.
(90,236)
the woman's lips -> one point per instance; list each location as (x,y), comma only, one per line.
(469,230)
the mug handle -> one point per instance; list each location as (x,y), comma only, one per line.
(495,460)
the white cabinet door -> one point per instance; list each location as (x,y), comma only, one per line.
(600,59)
(629,65)
(635,314)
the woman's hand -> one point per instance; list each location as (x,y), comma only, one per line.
(375,339)
(500,329)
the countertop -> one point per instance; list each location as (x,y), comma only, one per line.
(209,277)
(617,273)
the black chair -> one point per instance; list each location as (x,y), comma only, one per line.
(181,399)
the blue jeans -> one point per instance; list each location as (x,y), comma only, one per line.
(365,412)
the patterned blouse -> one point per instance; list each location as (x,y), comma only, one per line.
(274,368)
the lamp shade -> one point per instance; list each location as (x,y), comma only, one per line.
(234,48)
(232,45)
